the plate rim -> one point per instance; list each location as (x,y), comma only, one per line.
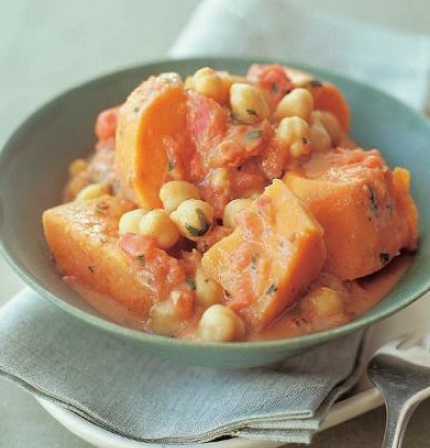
(340,412)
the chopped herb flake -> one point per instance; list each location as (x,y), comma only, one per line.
(373,199)
(315,83)
(103,240)
(101,207)
(254,262)
(254,134)
(110,189)
(92,269)
(299,321)
(236,120)
(271,289)
(384,257)
(204,225)
(191,283)
(275,88)
(252,112)
(171,165)
(141,259)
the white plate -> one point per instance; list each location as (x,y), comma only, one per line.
(414,319)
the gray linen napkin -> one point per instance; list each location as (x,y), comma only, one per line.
(395,61)
(116,385)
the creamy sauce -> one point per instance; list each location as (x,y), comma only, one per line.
(362,295)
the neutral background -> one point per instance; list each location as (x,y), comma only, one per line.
(47,46)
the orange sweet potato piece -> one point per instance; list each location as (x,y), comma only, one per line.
(151,120)
(406,204)
(83,238)
(367,217)
(273,255)
(328,97)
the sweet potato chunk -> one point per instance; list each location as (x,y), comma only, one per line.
(406,204)
(367,216)
(276,251)
(83,237)
(151,124)
(328,97)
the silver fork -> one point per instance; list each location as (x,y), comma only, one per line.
(401,371)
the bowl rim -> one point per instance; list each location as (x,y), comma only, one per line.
(296,342)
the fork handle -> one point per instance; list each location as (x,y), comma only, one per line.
(398,415)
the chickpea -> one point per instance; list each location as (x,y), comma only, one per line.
(169,316)
(189,83)
(194,218)
(232,209)
(91,191)
(323,303)
(77,166)
(298,103)
(129,222)
(208,291)
(175,192)
(295,132)
(319,137)
(299,78)
(207,82)
(228,79)
(332,126)
(254,194)
(163,319)
(248,103)
(221,324)
(158,225)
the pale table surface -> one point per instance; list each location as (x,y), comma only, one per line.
(49,45)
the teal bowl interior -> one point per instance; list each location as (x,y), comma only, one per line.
(33,170)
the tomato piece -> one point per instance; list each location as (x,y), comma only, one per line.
(206,121)
(240,143)
(237,305)
(272,79)
(219,141)
(162,272)
(134,245)
(218,197)
(274,159)
(217,233)
(247,179)
(106,123)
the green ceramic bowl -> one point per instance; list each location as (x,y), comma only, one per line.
(33,170)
